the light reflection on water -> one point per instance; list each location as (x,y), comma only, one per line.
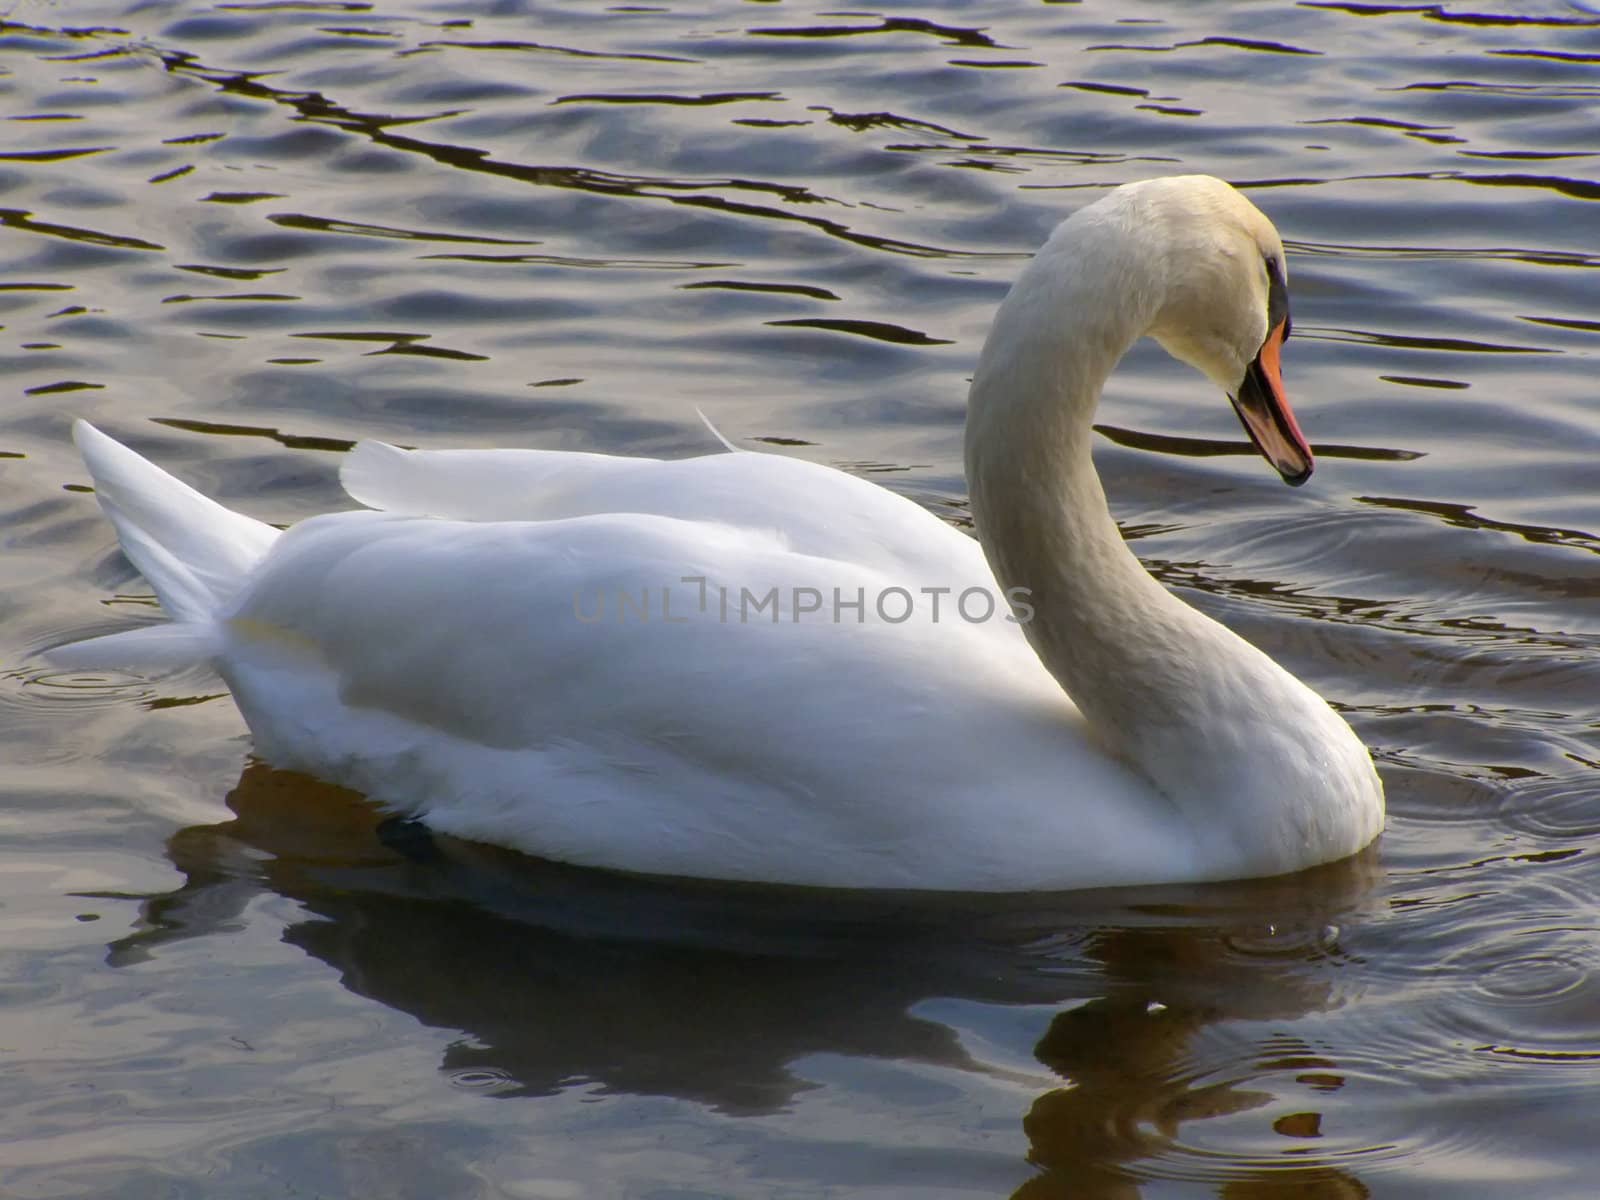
(245,235)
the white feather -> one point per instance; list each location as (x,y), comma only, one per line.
(193,551)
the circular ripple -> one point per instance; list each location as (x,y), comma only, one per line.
(1561,809)
(54,717)
(91,689)
(1525,990)
(481,1079)
(1535,980)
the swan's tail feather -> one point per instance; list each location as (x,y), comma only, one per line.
(167,646)
(194,552)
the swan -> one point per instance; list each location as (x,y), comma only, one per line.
(748,667)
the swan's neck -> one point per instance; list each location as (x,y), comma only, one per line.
(1100,624)
(1184,701)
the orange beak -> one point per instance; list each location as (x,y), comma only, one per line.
(1268,419)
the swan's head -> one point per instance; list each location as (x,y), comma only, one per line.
(1225,309)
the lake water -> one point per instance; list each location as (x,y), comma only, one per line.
(242,235)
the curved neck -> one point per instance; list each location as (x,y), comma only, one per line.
(1133,657)
(1269,777)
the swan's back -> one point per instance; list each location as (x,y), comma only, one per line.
(814,510)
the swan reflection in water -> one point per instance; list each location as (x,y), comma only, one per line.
(560,977)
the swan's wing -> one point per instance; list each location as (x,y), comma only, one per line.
(513,629)
(492,678)
(483,485)
(816,509)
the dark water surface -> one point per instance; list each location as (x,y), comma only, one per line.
(242,235)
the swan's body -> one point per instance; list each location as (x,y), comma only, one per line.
(466,656)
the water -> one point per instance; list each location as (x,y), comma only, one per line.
(244,235)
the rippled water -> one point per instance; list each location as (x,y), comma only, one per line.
(243,235)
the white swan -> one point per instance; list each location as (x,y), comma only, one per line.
(465,655)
